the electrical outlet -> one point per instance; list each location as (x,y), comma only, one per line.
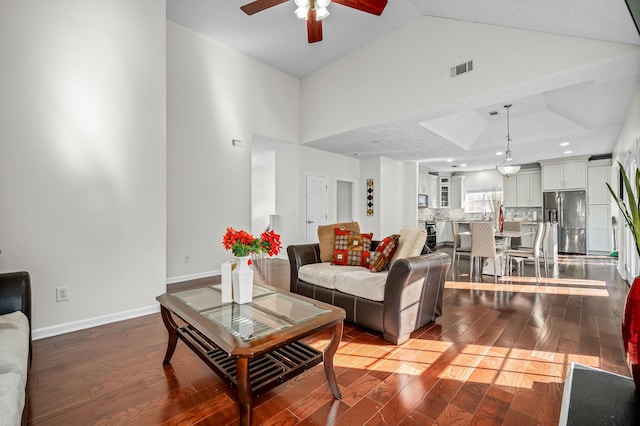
(187,258)
(62,294)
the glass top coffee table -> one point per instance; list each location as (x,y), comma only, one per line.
(255,346)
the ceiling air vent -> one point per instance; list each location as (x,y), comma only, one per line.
(462,68)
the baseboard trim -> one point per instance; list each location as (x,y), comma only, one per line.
(55,330)
(190,277)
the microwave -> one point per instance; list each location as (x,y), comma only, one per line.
(423,200)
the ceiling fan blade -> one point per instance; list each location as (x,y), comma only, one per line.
(314,27)
(260,5)
(374,7)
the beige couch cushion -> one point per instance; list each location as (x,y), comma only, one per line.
(362,283)
(324,274)
(411,242)
(12,397)
(326,237)
(14,363)
(14,343)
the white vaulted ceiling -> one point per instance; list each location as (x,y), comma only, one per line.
(587,111)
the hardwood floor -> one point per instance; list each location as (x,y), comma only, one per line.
(499,355)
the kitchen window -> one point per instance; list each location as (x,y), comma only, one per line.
(480,201)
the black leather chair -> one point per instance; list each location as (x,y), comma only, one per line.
(15,295)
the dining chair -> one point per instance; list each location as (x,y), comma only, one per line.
(516,242)
(483,245)
(523,254)
(543,247)
(458,248)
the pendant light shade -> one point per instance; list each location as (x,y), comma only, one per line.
(507,168)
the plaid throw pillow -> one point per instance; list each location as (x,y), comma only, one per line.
(380,259)
(351,248)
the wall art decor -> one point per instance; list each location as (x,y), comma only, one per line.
(369,197)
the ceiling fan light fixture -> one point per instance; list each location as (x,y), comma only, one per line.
(507,168)
(321,13)
(322,4)
(301,13)
(301,3)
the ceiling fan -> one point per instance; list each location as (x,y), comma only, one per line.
(314,11)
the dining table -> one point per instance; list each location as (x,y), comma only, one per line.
(506,237)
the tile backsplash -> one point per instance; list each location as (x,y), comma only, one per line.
(523,214)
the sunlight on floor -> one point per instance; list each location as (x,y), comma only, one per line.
(512,367)
(546,286)
(486,364)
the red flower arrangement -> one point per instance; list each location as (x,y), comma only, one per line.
(241,243)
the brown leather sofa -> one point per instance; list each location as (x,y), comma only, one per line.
(412,293)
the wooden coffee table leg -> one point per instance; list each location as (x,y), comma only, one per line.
(173,337)
(329,352)
(244,391)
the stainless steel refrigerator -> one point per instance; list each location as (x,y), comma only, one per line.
(568,208)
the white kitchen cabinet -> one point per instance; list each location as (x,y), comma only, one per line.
(423,183)
(456,192)
(510,191)
(444,233)
(522,190)
(560,176)
(529,190)
(599,228)
(428,184)
(598,176)
(600,234)
(433,191)
(444,193)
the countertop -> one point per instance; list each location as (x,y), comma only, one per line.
(524,222)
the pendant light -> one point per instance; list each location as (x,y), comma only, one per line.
(507,168)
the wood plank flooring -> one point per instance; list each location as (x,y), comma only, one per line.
(499,355)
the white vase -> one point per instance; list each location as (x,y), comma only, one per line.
(242,278)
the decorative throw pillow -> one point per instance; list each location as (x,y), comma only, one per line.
(326,238)
(351,248)
(410,243)
(380,258)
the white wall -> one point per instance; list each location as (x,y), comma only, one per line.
(370,168)
(385,82)
(82,157)
(216,94)
(263,195)
(391,202)
(394,196)
(628,141)
(293,163)
(410,193)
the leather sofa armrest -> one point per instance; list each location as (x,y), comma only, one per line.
(15,295)
(413,294)
(300,255)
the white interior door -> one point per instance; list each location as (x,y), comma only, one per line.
(316,206)
(345,201)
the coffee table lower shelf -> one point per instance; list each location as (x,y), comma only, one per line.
(265,372)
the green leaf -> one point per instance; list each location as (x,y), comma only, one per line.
(630,210)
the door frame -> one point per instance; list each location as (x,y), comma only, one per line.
(354,197)
(306,193)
